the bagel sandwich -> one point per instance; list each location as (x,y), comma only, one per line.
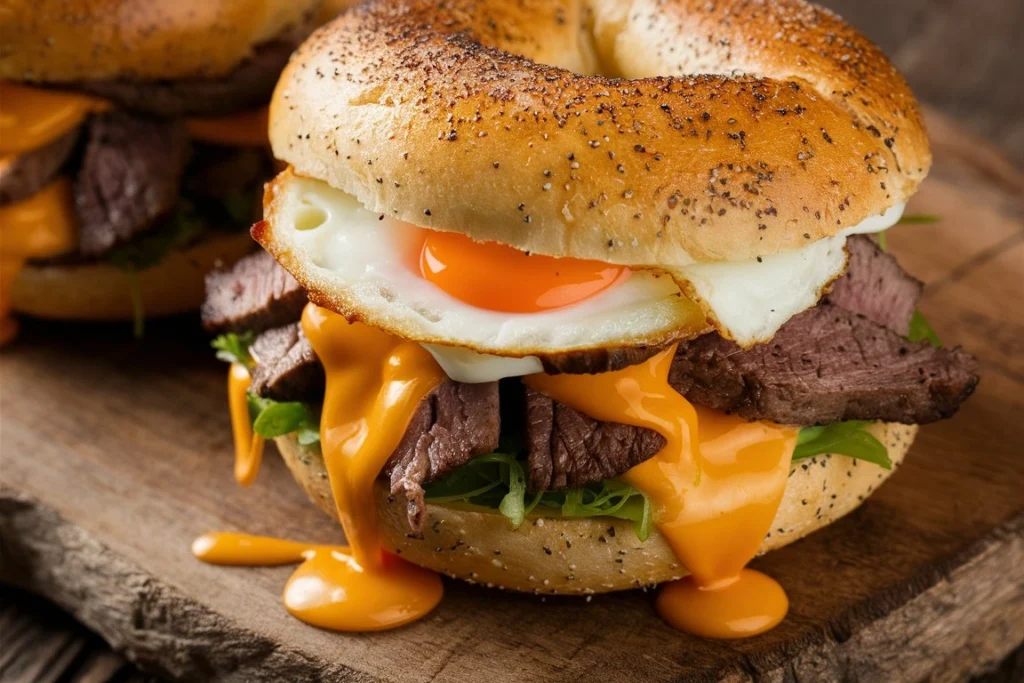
(541,308)
(133,149)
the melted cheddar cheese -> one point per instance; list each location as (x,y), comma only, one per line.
(374,384)
(39,226)
(248,446)
(31,118)
(715,487)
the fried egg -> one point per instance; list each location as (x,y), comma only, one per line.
(492,314)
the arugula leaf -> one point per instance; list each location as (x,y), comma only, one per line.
(138,307)
(921,330)
(809,434)
(234,348)
(176,230)
(513,505)
(498,481)
(910,219)
(918,219)
(842,438)
(272,419)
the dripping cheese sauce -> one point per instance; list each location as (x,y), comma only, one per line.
(374,384)
(715,486)
(44,224)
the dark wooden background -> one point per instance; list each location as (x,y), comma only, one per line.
(962,57)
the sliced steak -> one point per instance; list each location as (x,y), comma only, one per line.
(25,174)
(454,424)
(593,361)
(247,87)
(875,286)
(826,365)
(130,176)
(255,294)
(287,368)
(567,449)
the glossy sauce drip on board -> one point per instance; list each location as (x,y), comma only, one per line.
(329,589)
(715,487)
(374,384)
(39,226)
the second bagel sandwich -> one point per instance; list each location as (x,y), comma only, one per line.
(132,148)
(540,309)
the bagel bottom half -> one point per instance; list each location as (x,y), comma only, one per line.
(101,291)
(590,555)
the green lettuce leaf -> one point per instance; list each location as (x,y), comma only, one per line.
(498,481)
(176,230)
(234,348)
(921,330)
(919,219)
(910,219)
(271,419)
(842,438)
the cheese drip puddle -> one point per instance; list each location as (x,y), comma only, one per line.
(374,384)
(715,487)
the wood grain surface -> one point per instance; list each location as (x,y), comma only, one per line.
(116,455)
(963,58)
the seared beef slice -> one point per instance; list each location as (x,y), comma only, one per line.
(826,365)
(253,295)
(451,426)
(567,449)
(831,363)
(130,176)
(287,368)
(876,287)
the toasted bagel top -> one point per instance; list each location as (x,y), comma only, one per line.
(643,132)
(55,41)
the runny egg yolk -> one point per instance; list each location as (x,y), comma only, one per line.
(500,278)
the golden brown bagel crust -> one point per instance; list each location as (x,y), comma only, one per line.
(72,40)
(592,555)
(429,115)
(99,291)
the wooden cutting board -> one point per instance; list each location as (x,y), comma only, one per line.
(115,455)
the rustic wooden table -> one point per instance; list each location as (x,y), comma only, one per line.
(961,56)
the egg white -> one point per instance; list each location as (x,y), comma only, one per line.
(365,266)
(751,299)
